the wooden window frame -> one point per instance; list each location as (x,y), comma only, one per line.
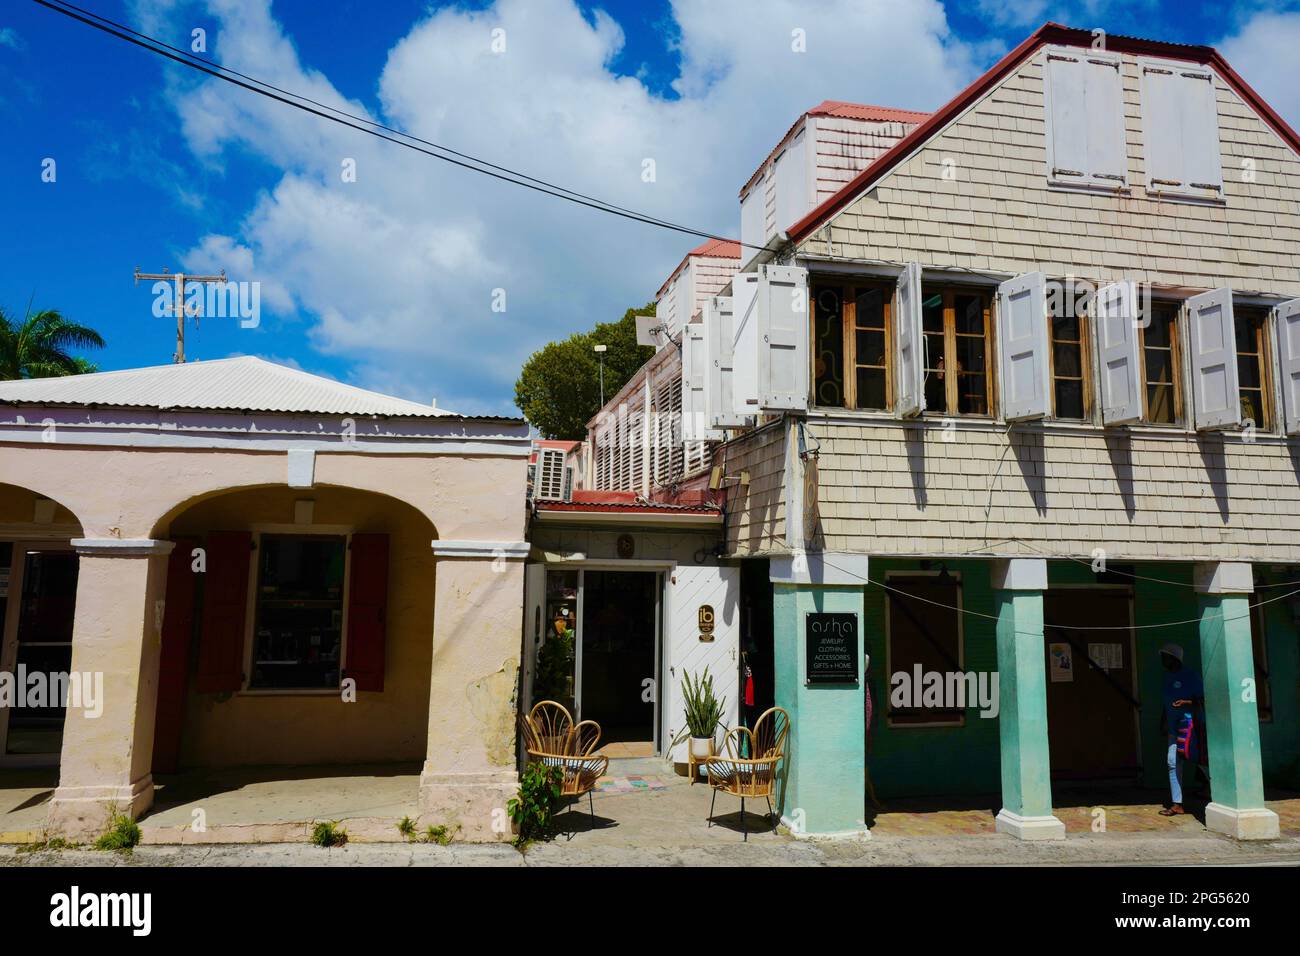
(1175,365)
(1085,364)
(1263,345)
(950,336)
(849,291)
(959,586)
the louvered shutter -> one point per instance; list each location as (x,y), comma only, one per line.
(1023,347)
(549,481)
(367,610)
(909,362)
(1212,344)
(1287,336)
(719,361)
(745,342)
(694,378)
(225,608)
(1116,323)
(783,338)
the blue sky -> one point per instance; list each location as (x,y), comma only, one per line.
(388,282)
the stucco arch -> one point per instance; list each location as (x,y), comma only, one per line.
(19,510)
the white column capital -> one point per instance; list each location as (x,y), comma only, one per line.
(1020,574)
(122,547)
(510,550)
(1223,577)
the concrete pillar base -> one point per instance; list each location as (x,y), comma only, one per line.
(1255,824)
(476,802)
(1029,828)
(83,813)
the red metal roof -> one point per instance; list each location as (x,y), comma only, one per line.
(710,248)
(1049,33)
(628,507)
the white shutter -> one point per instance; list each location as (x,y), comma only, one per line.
(719,357)
(1085,119)
(693,382)
(1180,129)
(744,343)
(549,481)
(783,338)
(909,367)
(1023,347)
(1287,334)
(1213,347)
(1116,324)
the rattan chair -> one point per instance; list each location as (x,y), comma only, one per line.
(749,761)
(551,738)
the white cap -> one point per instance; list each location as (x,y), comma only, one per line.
(1174,651)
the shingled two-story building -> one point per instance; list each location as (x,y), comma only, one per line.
(1020,397)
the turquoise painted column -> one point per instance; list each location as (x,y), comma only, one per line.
(1231,719)
(1026,812)
(822,791)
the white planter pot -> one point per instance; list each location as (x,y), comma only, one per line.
(701,747)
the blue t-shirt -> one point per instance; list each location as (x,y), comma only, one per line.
(1184,684)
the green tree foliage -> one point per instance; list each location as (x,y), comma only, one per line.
(559,387)
(40,346)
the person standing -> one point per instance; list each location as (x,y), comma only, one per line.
(1182,694)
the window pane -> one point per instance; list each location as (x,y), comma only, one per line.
(969,311)
(1158,365)
(1069,398)
(1245,329)
(932,313)
(971,395)
(1252,406)
(299,636)
(828,340)
(869,309)
(1248,371)
(1065,328)
(1160,404)
(871,388)
(1157,332)
(970,354)
(871,348)
(1065,360)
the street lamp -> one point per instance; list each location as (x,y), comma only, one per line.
(600,352)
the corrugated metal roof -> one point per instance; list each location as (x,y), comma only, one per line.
(245,383)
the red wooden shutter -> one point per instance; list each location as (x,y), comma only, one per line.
(367,610)
(225,603)
(174,658)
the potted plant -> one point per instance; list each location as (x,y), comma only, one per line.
(703,714)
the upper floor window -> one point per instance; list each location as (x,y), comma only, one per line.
(1180,130)
(851,339)
(955,327)
(1251,327)
(1085,119)
(1160,363)
(1071,395)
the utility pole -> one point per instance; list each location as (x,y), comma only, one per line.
(180,278)
(600,351)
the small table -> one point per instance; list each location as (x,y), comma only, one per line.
(693,761)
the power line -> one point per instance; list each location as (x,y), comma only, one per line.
(262,88)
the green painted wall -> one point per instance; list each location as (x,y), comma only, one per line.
(936,761)
(823,788)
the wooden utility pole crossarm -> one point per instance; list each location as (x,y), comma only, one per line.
(180,278)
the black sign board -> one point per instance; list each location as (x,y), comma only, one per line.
(832,648)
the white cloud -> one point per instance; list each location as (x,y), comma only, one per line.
(396,271)
(1263,51)
(9,37)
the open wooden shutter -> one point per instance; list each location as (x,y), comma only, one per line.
(1287,334)
(719,358)
(694,382)
(909,361)
(1213,346)
(1115,321)
(783,338)
(174,657)
(1023,347)
(744,344)
(367,610)
(225,606)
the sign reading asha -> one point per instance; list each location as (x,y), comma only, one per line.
(832,649)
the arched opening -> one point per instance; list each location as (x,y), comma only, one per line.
(296,642)
(38,591)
